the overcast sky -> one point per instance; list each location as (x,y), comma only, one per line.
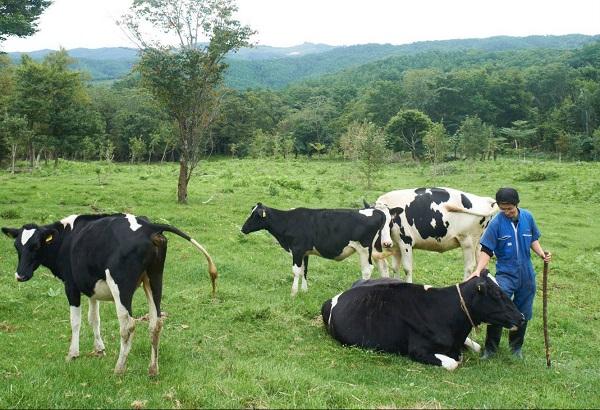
(91,23)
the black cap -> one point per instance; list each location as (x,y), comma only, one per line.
(507,196)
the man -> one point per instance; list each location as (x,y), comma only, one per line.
(510,236)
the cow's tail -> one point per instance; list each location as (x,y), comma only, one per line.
(456,208)
(212,268)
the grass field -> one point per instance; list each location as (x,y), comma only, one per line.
(254,346)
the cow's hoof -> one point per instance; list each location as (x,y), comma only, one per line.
(98,353)
(448,363)
(119,370)
(152,370)
(71,356)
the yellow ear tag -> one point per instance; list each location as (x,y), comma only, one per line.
(49,238)
(264,214)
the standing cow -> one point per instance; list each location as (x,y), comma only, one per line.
(436,219)
(105,257)
(429,325)
(329,233)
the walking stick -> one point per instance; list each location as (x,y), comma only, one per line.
(545,311)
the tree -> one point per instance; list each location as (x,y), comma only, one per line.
(187,79)
(405,131)
(18,17)
(436,144)
(365,142)
(474,137)
(13,130)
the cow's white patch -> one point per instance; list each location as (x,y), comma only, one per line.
(334,301)
(426,287)
(447,362)
(366,212)
(69,221)
(126,323)
(493,278)
(26,235)
(102,291)
(472,345)
(133,223)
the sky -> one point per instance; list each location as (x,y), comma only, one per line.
(282,23)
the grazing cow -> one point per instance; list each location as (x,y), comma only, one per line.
(105,257)
(436,219)
(430,325)
(329,233)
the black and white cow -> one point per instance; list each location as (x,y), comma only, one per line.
(436,219)
(329,233)
(105,257)
(429,325)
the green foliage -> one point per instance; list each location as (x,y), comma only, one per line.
(366,143)
(406,130)
(18,17)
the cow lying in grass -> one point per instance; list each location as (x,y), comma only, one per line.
(429,325)
(105,257)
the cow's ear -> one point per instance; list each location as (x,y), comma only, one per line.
(484,273)
(366,204)
(50,236)
(11,232)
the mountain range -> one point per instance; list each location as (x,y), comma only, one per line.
(277,67)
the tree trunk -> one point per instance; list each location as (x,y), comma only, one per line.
(13,153)
(182,184)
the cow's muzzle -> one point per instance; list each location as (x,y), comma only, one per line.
(387,244)
(22,278)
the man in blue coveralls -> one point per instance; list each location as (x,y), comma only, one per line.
(510,236)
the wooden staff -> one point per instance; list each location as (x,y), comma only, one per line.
(545,311)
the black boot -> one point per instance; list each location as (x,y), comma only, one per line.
(492,340)
(515,341)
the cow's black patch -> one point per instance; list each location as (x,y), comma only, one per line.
(420,215)
(482,221)
(465,201)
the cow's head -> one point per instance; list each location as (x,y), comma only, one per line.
(31,243)
(491,305)
(384,232)
(257,219)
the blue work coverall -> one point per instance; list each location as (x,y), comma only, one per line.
(512,246)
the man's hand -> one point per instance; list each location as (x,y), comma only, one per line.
(472,275)
(546,256)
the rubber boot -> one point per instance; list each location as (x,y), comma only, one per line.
(492,340)
(515,341)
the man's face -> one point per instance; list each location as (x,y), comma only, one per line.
(509,210)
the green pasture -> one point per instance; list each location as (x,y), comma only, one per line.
(255,346)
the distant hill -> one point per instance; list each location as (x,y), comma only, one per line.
(276,67)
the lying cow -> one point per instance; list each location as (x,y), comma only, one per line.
(329,233)
(436,219)
(105,257)
(430,325)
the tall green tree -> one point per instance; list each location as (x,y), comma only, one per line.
(19,17)
(187,79)
(406,130)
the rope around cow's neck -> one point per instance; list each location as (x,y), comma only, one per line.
(463,306)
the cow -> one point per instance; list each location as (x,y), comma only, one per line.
(329,233)
(105,257)
(435,219)
(429,325)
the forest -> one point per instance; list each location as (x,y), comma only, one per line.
(433,103)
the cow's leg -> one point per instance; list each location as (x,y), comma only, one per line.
(305,274)
(154,325)
(407,261)
(122,298)
(297,269)
(366,267)
(75,313)
(153,290)
(382,267)
(469,248)
(74,298)
(472,345)
(94,321)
